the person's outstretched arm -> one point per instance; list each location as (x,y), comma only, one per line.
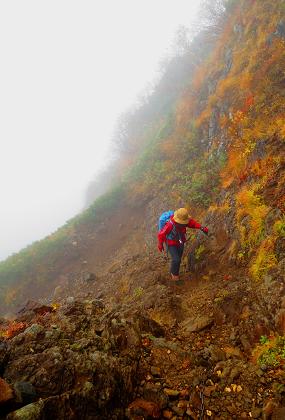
(195,225)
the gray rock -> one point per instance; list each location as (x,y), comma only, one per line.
(238,29)
(29,412)
(279,33)
(70,300)
(212,84)
(88,277)
(228,61)
(214,125)
(198,324)
(53,334)
(34,329)
(280,29)
(214,353)
(163,343)
(25,392)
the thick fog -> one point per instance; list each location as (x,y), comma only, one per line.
(68,69)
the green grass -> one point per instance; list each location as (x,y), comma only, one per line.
(271,351)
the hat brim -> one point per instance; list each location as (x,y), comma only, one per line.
(181,221)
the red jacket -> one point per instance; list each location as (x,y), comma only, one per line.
(162,234)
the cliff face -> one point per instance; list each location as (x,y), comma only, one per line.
(218,148)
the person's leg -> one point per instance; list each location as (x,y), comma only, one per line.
(176,255)
(180,251)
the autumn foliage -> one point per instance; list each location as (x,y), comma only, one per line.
(212,129)
(13,329)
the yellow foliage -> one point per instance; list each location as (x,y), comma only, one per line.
(270,351)
(279,227)
(250,204)
(235,167)
(227,87)
(14,328)
(264,260)
(280,125)
(265,168)
(245,81)
(223,208)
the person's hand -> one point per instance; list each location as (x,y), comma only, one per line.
(204,229)
(160,247)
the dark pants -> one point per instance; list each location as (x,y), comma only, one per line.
(176,253)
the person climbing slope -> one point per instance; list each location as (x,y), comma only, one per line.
(173,233)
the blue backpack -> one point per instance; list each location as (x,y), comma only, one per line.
(164,218)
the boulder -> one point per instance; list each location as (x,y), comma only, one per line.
(29,412)
(34,330)
(197,324)
(25,392)
(35,307)
(70,368)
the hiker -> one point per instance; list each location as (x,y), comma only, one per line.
(173,233)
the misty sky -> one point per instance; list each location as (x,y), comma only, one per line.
(68,69)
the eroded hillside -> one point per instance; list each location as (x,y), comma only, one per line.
(214,347)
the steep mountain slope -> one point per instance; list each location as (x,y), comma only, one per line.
(214,347)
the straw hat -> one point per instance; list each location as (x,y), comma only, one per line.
(181,216)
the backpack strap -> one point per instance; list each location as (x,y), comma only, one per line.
(176,233)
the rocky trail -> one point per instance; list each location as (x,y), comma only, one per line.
(154,350)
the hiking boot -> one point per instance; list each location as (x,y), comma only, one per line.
(174,277)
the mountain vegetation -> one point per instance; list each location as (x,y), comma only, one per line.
(201,135)
(208,136)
